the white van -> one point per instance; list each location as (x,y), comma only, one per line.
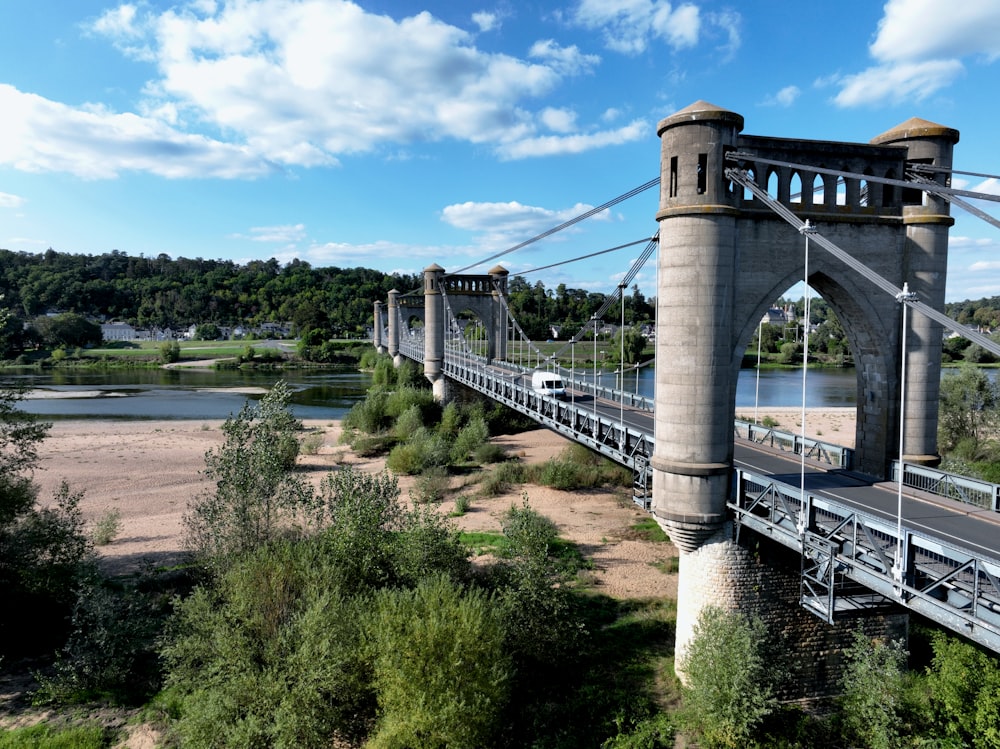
(548,383)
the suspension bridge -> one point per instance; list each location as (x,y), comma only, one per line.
(877,531)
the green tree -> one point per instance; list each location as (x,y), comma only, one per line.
(256,493)
(441,670)
(872,691)
(730,685)
(44,552)
(68,330)
(968,411)
(635,344)
(207,332)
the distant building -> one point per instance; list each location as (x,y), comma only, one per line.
(118,331)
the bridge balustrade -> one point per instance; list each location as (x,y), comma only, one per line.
(841,545)
(623,444)
(824,452)
(950,485)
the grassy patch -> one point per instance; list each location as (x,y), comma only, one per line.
(482,542)
(43,735)
(648,529)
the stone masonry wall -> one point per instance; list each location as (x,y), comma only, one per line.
(762,580)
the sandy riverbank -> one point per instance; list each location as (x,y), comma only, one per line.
(150,470)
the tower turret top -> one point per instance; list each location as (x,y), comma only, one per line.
(700,111)
(916,128)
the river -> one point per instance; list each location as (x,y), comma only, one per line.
(186,393)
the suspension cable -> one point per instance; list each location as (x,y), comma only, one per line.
(565,225)
(741,177)
(585,257)
(930,187)
(948,170)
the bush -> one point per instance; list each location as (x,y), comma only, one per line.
(489,452)
(255,494)
(369,415)
(872,689)
(170,352)
(469,439)
(730,689)
(271,657)
(408,423)
(107,528)
(447,646)
(503,478)
(424,450)
(431,485)
(111,650)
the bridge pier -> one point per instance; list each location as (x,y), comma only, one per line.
(393,343)
(760,578)
(434,329)
(377,330)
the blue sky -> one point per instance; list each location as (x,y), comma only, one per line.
(391,134)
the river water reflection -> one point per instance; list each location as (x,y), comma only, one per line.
(316,394)
(184,393)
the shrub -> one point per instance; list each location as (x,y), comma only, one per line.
(730,689)
(422,451)
(107,527)
(451,421)
(447,646)
(431,485)
(470,438)
(503,478)
(369,415)
(111,650)
(408,423)
(272,656)
(170,352)
(311,443)
(405,397)
(255,493)
(872,688)
(489,452)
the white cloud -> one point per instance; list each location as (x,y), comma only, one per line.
(411,258)
(304,81)
(286,234)
(566,60)
(500,224)
(40,135)
(630,25)
(919,49)
(784,98)
(11,201)
(559,120)
(554,145)
(897,83)
(486,21)
(915,30)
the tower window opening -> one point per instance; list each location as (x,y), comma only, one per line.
(673,176)
(702,173)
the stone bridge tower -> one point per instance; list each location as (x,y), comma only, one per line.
(444,296)
(724,257)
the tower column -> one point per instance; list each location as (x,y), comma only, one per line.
(925,266)
(393,342)
(498,314)
(377,329)
(434,332)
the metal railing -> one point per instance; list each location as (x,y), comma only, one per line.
(624,444)
(964,489)
(824,452)
(843,546)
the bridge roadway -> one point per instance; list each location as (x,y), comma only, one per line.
(844,524)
